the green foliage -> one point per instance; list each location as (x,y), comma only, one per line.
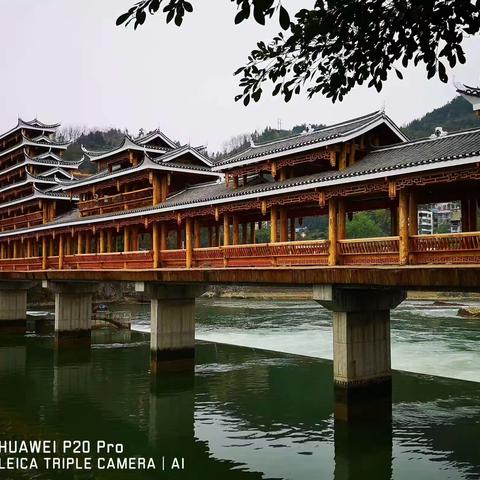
(455,115)
(336,45)
(366,225)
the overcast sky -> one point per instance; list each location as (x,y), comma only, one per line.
(66,61)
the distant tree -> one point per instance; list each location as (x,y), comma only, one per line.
(363,225)
(339,44)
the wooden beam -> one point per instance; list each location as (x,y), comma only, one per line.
(157,189)
(226,230)
(61,252)
(403,226)
(332,231)
(273,224)
(188,242)
(156,244)
(126,239)
(102,241)
(44,253)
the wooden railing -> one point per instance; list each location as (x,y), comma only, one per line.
(21,221)
(369,251)
(105,261)
(21,264)
(448,248)
(461,248)
(114,203)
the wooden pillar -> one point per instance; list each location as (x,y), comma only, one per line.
(29,248)
(412,215)
(44,253)
(79,243)
(293,235)
(226,230)
(51,247)
(283,225)
(197,231)
(156,244)
(110,247)
(244,233)
(157,188)
(126,239)
(332,231)
(2,250)
(342,165)
(163,236)
(236,230)
(341,219)
(88,242)
(101,248)
(189,242)
(60,251)
(403,212)
(15,249)
(273,224)
(252,233)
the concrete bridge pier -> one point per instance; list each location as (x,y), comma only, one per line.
(13,306)
(172,340)
(361,347)
(73,312)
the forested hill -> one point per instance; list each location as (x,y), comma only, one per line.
(455,115)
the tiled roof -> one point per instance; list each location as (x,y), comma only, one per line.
(314,139)
(410,154)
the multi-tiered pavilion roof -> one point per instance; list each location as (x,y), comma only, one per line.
(30,164)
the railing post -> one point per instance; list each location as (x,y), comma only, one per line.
(332,232)
(60,252)
(155,244)
(226,230)
(403,211)
(44,253)
(188,242)
(273,224)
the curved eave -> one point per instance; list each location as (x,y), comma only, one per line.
(22,124)
(339,138)
(146,164)
(182,151)
(152,136)
(127,144)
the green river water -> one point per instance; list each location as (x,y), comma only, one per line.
(248,413)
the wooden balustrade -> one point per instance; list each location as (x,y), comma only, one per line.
(369,251)
(120,201)
(21,221)
(461,248)
(448,248)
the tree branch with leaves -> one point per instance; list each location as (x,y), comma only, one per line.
(339,44)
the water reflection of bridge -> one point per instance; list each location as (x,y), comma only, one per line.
(247,395)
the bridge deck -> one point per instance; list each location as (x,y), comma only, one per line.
(431,277)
